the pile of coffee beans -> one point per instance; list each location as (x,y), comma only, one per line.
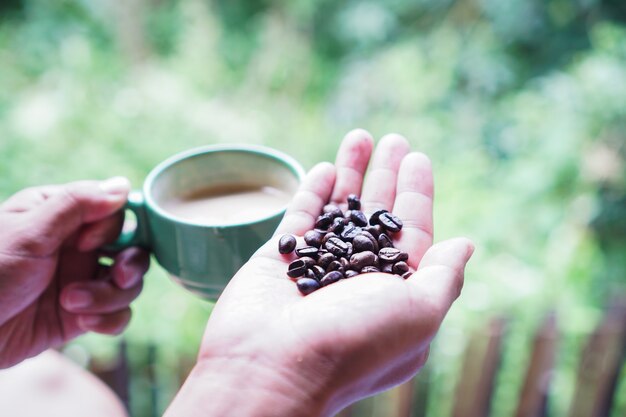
(343,245)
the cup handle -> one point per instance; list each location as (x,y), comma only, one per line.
(139,235)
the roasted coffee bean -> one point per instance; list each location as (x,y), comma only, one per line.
(384,241)
(390,222)
(362,259)
(308,261)
(313,238)
(358,218)
(367,234)
(375,230)
(286,244)
(354,203)
(344,244)
(399,268)
(333,266)
(389,254)
(325,259)
(338,225)
(363,243)
(333,210)
(310,251)
(327,236)
(374,218)
(320,252)
(307,285)
(318,271)
(329,278)
(406,275)
(392,255)
(324,221)
(373,239)
(345,263)
(350,273)
(350,250)
(336,246)
(297,268)
(350,231)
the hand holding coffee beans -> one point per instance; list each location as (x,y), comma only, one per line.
(344,245)
(264,319)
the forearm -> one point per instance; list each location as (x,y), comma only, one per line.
(236,387)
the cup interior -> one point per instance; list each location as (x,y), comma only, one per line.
(239,168)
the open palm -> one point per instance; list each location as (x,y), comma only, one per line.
(360,335)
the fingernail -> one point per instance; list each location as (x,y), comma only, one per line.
(78,299)
(89,321)
(115,185)
(128,282)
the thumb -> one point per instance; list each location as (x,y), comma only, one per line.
(439,277)
(74,204)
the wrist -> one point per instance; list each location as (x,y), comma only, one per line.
(249,386)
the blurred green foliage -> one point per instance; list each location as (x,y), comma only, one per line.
(519,103)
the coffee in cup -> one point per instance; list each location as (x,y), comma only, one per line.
(229,204)
(204,212)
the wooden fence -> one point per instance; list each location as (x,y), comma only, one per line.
(598,371)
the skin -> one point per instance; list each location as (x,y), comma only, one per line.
(52,286)
(269,351)
(52,385)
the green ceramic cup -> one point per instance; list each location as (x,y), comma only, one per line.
(203,257)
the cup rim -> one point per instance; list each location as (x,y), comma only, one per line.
(271,153)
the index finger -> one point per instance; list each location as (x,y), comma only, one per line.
(308,201)
(352,159)
(29,198)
